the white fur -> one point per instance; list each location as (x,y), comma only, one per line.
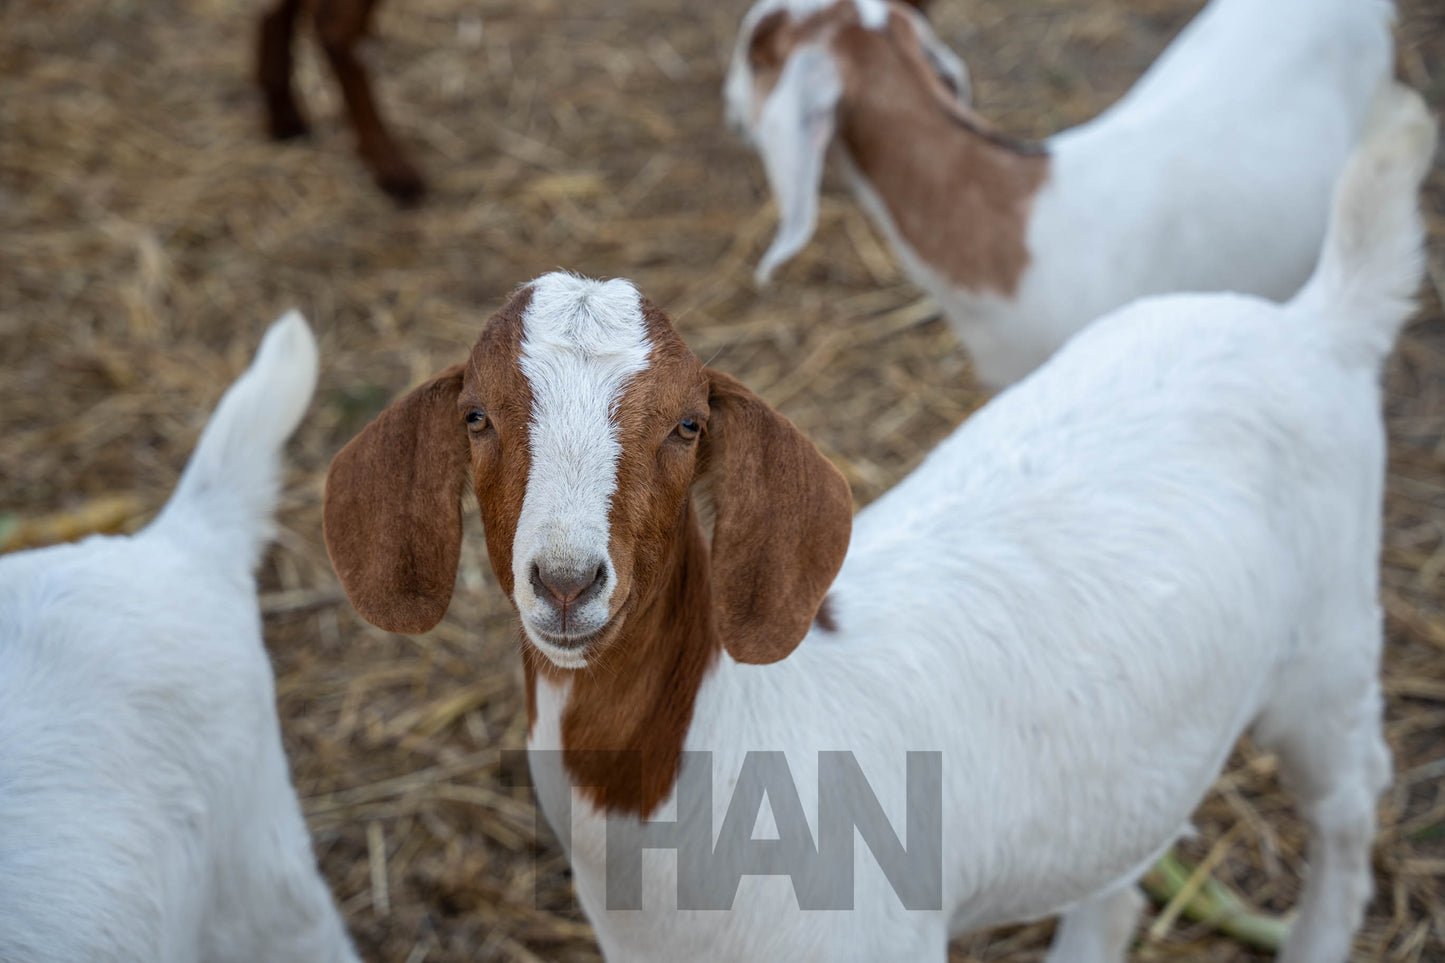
(799,123)
(582,342)
(1165,537)
(146,810)
(1213,173)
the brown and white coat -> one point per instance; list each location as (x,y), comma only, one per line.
(1213,173)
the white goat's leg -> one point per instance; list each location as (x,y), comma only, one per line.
(1337,769)
(1326,724)
(1098,931)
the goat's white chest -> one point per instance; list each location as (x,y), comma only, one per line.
(580,827)
(544,758)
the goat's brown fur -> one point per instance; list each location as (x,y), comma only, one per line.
(624,726)
(959,193)
(339,24)
(395,534)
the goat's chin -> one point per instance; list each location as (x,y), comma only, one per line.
(571,652)
(561,658)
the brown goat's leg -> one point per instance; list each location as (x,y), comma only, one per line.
(341,23)
(273,70)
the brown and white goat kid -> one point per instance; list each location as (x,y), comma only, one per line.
(1212,174)
(1168,535)
(340,26)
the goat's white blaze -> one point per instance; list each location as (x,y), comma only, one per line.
(582,342)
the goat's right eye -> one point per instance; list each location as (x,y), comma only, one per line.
(476,419)
(687,429)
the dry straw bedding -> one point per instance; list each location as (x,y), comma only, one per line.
(147,234)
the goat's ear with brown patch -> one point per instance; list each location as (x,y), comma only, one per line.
(392,515)
(784,515)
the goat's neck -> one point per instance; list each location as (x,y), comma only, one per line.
(956,196)
(626,717)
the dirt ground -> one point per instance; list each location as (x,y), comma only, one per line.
(148,233)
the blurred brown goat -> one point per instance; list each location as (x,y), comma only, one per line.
(339,25)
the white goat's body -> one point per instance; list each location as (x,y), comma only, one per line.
(1107,591)
(146,809)
(1082,598)
(1212,174)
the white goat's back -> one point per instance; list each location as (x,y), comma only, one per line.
(146,809)
(136,718)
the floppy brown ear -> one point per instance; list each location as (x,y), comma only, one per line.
(392,514)
(784,515)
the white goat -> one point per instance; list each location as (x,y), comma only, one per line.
(1213,174)
(1165,537)
(146,811)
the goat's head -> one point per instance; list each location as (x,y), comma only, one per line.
(796,62)
(582,421)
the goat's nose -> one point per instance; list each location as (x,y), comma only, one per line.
(570,586)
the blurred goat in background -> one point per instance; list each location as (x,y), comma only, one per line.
(340,24)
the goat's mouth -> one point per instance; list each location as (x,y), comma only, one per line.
(569,650)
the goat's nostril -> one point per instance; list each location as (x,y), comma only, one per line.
(566,587)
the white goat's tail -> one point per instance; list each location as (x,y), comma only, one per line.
(227,494)
(1374,254)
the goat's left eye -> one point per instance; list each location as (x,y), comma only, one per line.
(476,419)
(687,429)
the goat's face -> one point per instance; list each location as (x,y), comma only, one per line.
(607,448)
(796,61)
(582,420)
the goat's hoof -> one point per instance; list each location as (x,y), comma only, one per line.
(404,185)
